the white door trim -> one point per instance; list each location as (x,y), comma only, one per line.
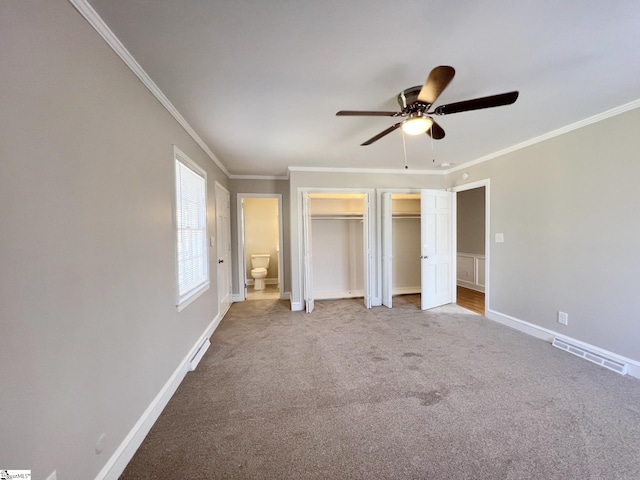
(380,233)
(241,253)
(374,286)
(487,232)
(308,294)
(224,244)
(386,247)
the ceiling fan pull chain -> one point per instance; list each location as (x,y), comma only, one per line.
(432,155)
(404,146)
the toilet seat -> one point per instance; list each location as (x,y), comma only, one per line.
(259,270)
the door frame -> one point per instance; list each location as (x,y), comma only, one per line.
(371,233)
(242,267)
(379,233)
(226,269)
(487,232)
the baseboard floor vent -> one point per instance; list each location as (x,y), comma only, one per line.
(193,363)
(600,359)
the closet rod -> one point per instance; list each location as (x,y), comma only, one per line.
(336,217)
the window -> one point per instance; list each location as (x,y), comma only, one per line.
(192,264)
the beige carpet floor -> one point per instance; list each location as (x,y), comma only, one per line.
(350,393)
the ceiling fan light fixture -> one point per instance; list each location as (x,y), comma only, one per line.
(416,125)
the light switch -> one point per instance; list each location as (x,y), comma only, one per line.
(499,237)
(212,241)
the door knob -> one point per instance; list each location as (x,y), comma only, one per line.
(424,256)
(221,261)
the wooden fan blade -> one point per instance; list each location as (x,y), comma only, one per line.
(381,134)
(359,113)
(436,132)
(477,103)
(437,81)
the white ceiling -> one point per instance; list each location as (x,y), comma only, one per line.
(260,81)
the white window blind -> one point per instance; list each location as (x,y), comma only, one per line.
(191,225)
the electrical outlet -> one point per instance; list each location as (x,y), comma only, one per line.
(563,318)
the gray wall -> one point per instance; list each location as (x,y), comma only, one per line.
(90,333)
(470,221)
(568,208)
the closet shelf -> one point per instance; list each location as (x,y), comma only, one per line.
(405,215)
(337,216)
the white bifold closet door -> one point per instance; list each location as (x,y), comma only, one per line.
(386,225)
(368,271)
(436,251)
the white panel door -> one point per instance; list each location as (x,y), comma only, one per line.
(223,232)
(386,223)
(436,249)
(368,270)
(308,264)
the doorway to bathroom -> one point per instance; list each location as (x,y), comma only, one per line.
(260,271)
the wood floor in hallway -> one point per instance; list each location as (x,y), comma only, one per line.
(471,299)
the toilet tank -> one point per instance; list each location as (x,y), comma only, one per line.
(260,260)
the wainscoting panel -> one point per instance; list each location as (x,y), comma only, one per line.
(471,271)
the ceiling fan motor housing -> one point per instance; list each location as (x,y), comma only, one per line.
(409,103)
(408,99)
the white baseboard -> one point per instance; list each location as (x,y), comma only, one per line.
(406,290)
(296,306)
(236,297)
(127,449)
(548,336)
(337,295)
(470,285)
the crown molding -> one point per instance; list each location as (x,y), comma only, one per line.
(259,177)
(387,171)
(555,133)
(88,12)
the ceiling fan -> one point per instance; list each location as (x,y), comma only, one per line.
(415,103)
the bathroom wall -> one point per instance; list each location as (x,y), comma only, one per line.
(261,232)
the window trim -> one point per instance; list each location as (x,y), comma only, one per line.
(182,301)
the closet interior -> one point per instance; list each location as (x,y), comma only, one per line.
(405,226)
(337,245)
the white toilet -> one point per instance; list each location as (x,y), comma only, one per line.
(259,266)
